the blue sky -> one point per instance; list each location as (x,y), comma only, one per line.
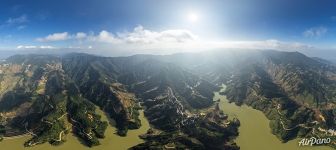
(144,26)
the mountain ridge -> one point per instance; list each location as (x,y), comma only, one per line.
(286,86)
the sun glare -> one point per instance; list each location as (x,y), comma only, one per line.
(193,17)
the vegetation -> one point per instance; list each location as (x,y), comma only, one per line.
(294,96)
(87,123)
(2,132)
(50,96)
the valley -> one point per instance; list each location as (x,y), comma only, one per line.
(167,75)
(111,139)
(168,101)
(255,132)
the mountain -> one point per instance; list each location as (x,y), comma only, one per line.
(297,93)
(49,96)
(37,97)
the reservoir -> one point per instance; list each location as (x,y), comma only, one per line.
(111,140)
(254,134)
(254,131)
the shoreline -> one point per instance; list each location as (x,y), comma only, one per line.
(248,128)
(16,136)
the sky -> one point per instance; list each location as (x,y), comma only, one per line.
(128,27)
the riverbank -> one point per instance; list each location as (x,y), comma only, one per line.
(255,132)
(111,139)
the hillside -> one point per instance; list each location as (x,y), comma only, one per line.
(297,93)
(49,96)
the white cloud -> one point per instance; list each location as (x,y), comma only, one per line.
(105,36)
(55,37)
(315,32)
(46,47)
(141,35)
(35,47)
(81,35)
(264,44)
(141,40)
(26,46)
(19,20)
(62,37)
(21,27)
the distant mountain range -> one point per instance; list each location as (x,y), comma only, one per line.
(51,95)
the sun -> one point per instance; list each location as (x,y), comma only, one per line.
(193,17)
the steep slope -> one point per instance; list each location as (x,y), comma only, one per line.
(170,94)
(45,103)
(296,93)
(96,80)
(48,96)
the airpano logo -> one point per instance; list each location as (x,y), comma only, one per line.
(314,141)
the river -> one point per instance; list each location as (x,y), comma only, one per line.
(254,134)
(111,140)
(254,131)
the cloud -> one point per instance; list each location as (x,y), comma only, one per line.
(315,32)
(105,36)
(35,47)
(46,47)
(19,20)
(62,37)
(80,35)
(264,44)
(21,27)
(55,37)
(141,35)
(26,47)
(141,40)
(333,18)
